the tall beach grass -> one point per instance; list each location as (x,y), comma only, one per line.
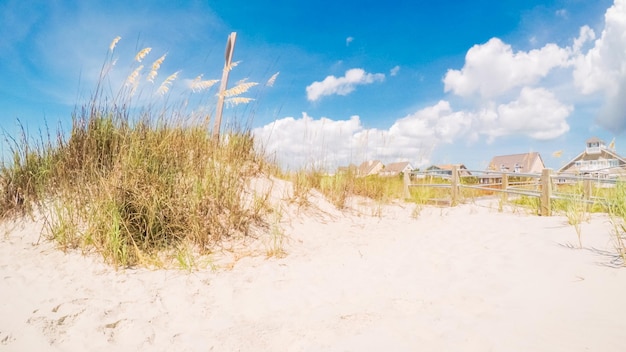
(137,184)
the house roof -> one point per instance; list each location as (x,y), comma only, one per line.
(445,167)
(396,167)
(366,167)
(595,140)
(508,162)
(604,154)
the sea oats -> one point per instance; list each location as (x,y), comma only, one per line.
(114,43)
(165,86)
(232,65)
(155,68)
(237,100)
(142,53)
(270,82)
(198,84)
(132,78)
(239,89)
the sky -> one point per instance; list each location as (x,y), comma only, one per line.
(339,82)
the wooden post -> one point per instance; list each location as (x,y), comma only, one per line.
(228,58)
(455,185)
(407,180)
(546,193)
(505,186)
(587,189)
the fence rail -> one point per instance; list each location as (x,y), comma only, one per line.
(544,186)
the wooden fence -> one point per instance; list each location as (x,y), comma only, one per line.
(544,186)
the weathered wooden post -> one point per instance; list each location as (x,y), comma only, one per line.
(587,189)
(505,186)
(407,181)
(587,192)
(546,193)
(455,185)
(228,58)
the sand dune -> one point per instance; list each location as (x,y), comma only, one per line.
(467,278)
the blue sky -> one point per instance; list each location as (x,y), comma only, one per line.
(431,82)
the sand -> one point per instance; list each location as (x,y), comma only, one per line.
(468,278)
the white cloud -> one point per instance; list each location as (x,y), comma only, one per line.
(341,85)
(329,143)
(493,69)
(349,40)
(394,71)
(309,142)
(603,68)
(585,35)
(562,13)
(325,143)
(536,113)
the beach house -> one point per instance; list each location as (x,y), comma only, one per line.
(527,163)
(394,169)
(445,170)
(370,167)
(597,160)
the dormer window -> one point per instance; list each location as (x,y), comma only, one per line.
(517,167)
(595,146)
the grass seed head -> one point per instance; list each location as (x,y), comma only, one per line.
(114,43)
(142,54)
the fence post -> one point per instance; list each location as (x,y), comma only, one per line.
(546,193)
(587,190)
(455,185)
(505,186)
(407,180)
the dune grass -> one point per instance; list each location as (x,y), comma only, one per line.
(136,184)
(338,188)
(617,212)
(132,189)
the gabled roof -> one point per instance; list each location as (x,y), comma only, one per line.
(447,167)
(366,167)
(594,140)
(509,162)
(604,154)
(397,167)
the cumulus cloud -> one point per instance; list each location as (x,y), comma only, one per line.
(394,71)
(326,143)
(493,69)
(341,85)
(602,69)
(329,143)
(349,40)
(536,113)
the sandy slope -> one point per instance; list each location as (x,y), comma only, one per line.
(454,279)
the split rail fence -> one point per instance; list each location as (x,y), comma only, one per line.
(545,186)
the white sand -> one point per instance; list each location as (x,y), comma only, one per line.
(454,279)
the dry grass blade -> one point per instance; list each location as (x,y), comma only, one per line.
(165,86)
(232,65)
(132,79)
(198,84)
(234,101)
(114,43)
(155,68)
(272,80)
(142,54)
(239,89)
